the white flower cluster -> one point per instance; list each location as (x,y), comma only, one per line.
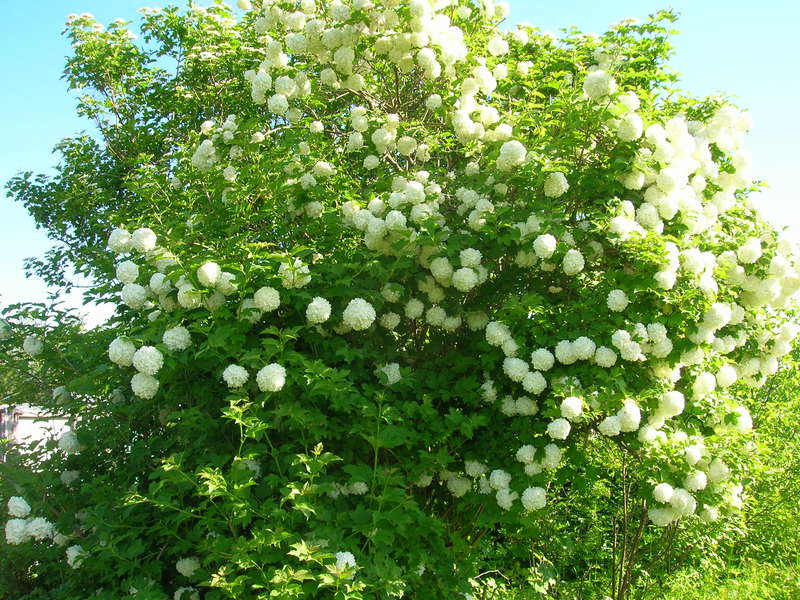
(478,227)
(20,529)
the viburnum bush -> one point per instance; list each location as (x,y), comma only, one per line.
(386,271)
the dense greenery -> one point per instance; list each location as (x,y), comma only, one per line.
(406,305)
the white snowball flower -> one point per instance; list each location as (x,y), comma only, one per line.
(499,479)
(359,314)
(605,357)
(187,566)
(497,46)
(318,310)
(617,301)
(414,309)
(704,384)
(16,532)
(512,154)
(505,498)
(120,241)
(144,386)
(392,372)
(267,299)
(726,376)
(598,84)
(344,561)
(69,477)
(542,359)
(148,360)
(470,257)
(526,454)
(177,338)
(515,369)
(695,481)
(671,404)
(609,426)
(68,442)
(718,471)
(39,528)
(225,285)
(630,127)
(143,240)
(750,251)
(555,185)
(545,245)
(33,345)
(433,102)
(189,593)
(683,502)
(558,429)
(709,514)
(133,295)
(534,383)
(271,378)
(573,262)
(459,486)
(534,498)
(127,271)
(663,492)
(75,556)
(159,284)
(571,408)
(121,352)
(235,376)
(18,507)
(744,422)
(208,274)
(294,275)
(630,416)
(464,279)
(389,320)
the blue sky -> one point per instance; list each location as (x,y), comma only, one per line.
(748,50)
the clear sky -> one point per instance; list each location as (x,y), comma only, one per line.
(748,50)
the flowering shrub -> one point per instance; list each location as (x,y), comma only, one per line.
(385,271)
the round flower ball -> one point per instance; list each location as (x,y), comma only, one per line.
(133,295)
(359,314)
(120,241)
(68,442)
(671,404)
(571,408)
(555,185)
(144,386)
(544,245)
(143,239)
(148,360)
(177,338)
(610,426)
(127,271)
(617,301)
(559,429)
(267,299)
(464,279)
(663,492)
(33,345)
(121,352)
(534,498)
(208,274)
(18,507)
(235,376)
(187,566)
(598,84)
(318,310)
(271,378)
